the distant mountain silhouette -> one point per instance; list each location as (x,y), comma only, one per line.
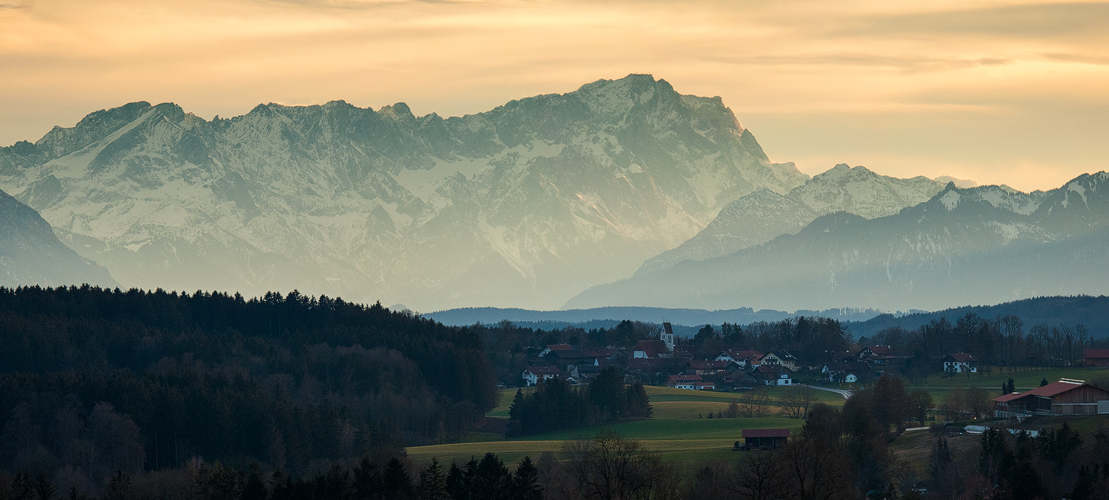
(30,254)
(987,244)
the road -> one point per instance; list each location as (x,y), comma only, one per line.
(842,392)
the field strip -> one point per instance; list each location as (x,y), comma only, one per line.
(534,448)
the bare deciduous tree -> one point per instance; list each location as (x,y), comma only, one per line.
(610,467)
(797,402)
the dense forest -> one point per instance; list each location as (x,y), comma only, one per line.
(95,381)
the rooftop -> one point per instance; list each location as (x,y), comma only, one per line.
(765,433)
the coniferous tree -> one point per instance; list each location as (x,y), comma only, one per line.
(491,479)
(395,481)
(254,488)
(525,482)
(433,483)
(459,481)
(367,481)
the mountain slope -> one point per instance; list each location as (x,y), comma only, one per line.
(964,246)
(30,254)
(763,215)
(524,205)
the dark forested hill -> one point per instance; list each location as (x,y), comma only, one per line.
(1092,312)
(93,381)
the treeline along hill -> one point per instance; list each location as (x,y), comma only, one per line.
(96,381)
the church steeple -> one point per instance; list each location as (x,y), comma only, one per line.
(667,336)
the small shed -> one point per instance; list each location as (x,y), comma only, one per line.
(765,439)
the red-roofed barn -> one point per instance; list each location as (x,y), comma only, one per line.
(1097,358)
(1066,397)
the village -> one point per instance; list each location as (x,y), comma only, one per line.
(678,363)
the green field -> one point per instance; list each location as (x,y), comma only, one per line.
(675,431)
(1025,380)
(681,433)
(676,439)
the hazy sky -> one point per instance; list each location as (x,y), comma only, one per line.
(995,91)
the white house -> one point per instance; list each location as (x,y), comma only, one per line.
(959,362)
(779,358)
(692,382)
(773,375)
(533,374)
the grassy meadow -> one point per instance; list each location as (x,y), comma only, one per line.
(1025,380)
(681,432)
(678,428)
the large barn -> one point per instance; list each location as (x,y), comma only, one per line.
(1065,397)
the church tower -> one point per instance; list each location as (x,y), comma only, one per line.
(667,336)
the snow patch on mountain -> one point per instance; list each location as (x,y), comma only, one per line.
(523,205)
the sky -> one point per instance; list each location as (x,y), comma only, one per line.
(997,92)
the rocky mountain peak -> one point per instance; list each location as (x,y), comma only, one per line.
(523,205)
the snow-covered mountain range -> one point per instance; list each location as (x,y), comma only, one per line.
(981,245)
(30,254)
(764,215)
(521,206)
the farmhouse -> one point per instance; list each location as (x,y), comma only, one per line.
(779,358)
(773,375)
(872,352)
(699,367)
(1066,397)
(740,357)
(693,382)
(765,439)
(959,362)
(533,374)
(555,347)
(849,372)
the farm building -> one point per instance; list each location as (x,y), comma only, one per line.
(960,362)
(764,439)
(1096,358)
(694,382)
(1066,397)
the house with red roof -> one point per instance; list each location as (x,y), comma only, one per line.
(1096,358)
(555,347)
(650,349)
(700,367)
(693,382)
(875,351)
(1065,397)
